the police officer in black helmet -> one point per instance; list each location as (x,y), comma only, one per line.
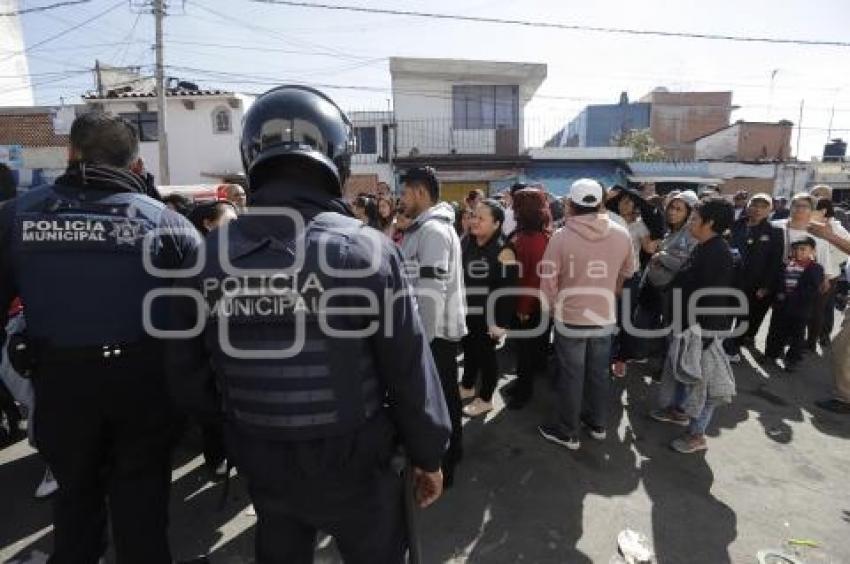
(312,348)
(74,252)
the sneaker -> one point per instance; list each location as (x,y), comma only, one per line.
(48,485)
(689,444)
(670,416)
(618,369)
(734,358)
(477,408)
(834,405)
(596,432)
(466,393)
(554,435)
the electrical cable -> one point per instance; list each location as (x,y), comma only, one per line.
(557,25)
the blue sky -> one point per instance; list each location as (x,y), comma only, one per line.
(280,43)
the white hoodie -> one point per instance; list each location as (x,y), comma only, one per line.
(432,255)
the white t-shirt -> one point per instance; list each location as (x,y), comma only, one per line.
(836,255)
(637,231)
(509,224)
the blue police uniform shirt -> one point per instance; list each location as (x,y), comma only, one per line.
(75,257)
(329,382)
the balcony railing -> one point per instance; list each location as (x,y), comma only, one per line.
(439,137)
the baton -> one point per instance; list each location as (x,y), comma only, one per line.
(411,515)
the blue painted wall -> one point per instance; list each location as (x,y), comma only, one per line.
(596,125)
(558,177)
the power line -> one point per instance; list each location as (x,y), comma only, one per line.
(46,8)
(267,79)
(556,25)
(231,20)
(66,31)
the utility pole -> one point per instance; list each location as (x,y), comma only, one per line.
(98,79)
(164,174)
(799,129)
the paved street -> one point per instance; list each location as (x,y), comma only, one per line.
(776,471)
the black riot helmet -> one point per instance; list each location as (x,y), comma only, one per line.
(297,122)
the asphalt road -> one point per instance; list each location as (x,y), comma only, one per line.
(776,471)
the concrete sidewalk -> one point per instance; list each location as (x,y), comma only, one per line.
(776,470)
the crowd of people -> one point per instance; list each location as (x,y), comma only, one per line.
(525,246)
(591,283)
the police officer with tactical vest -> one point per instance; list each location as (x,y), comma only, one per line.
(313,347)
(80,253)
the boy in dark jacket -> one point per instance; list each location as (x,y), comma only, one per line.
(795,299)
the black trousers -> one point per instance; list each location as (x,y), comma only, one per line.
(787,328)
(479,359)
(445,357)
(758,308)
(104,428)
(342,486)
(530,357)
(756,311)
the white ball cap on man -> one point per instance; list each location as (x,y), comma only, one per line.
(586,192)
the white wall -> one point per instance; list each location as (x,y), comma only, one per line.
(383,170)
(792,178)
(423,111)
(718,146)
(193,147)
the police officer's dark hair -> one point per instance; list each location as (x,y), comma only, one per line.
(718,210)
(496,209)
(425,177)
(8,183)
(104,139)
(208,211)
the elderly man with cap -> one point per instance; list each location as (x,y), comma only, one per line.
(587,262)
(758,248)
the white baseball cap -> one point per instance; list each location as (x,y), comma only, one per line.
(586,192)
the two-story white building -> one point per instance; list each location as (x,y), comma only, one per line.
(466,117)
(204,127)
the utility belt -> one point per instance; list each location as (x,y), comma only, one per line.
(26,353)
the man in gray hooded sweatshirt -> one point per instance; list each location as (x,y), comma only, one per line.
(432,255)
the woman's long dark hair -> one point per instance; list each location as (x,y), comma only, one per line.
(384,223)
(370,206)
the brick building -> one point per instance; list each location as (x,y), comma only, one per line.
(677,119)
(747,141)
(38,137)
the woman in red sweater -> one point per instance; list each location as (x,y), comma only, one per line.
(529,240)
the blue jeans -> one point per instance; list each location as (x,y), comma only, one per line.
(699,424)
(582,380)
